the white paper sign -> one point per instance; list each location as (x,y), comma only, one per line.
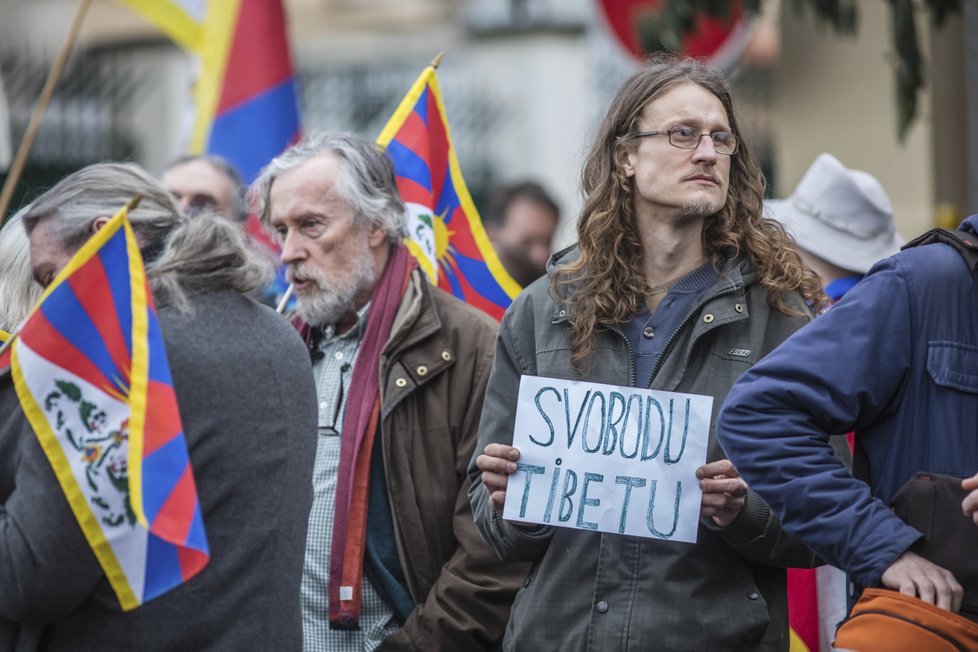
(607,458)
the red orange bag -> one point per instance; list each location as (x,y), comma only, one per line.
(889,621)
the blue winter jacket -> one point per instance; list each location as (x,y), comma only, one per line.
(896,360)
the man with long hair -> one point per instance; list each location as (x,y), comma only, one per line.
(677,283)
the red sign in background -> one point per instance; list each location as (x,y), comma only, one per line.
(704,42)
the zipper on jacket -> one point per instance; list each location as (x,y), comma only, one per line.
(665,349)
(631,354)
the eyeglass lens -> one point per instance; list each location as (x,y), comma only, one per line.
(689,138)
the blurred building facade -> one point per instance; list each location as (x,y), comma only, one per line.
(524,83)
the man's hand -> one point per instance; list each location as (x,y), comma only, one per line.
(723,491)
(970,503)
(497,463)
(911,574)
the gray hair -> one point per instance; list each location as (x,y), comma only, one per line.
(100,190)
(365,182)
(18,291)
(182,255)
(222,165)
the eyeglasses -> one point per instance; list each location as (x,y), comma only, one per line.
(683,137)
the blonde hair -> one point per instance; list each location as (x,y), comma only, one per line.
(18,291)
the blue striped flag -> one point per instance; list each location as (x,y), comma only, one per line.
(91,373)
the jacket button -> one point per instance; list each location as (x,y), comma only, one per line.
(739,308)
(708,318)
(422,370)
(648,332)
(446,356)
(753,595)
(400,382)
(601,607)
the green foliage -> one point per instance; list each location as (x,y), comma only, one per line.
(661,27)
(909,76)
(663,30)
(909,63)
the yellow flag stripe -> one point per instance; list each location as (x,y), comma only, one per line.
(795,644)
(49,440)
(172,20)
(222,19)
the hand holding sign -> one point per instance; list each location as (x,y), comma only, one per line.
(610,459)
(723,489)
(497,463)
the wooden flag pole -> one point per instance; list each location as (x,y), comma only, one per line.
(437,60)
(20,159)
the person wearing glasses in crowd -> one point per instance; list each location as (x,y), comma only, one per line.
(677,283)
(249,440)
(208,183)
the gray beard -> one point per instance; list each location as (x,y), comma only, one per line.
(330,300)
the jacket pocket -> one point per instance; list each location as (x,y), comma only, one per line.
(954,365)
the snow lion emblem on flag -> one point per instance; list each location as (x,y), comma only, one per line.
(102,449)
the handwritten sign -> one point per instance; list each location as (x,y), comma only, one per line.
(607,458)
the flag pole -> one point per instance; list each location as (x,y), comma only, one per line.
(20,160)
(437,60)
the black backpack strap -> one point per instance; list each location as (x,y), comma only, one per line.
(963,242)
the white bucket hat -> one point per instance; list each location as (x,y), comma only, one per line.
(842,216)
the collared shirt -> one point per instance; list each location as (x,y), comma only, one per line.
(333,372)
(649,331)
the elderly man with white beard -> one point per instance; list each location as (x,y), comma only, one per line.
(393,557)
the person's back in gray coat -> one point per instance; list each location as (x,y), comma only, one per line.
(248,412)
(244,385)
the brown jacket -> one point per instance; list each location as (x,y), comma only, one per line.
(433,375)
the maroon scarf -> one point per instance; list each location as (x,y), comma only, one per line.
(359,427)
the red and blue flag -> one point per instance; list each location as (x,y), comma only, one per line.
(91,373)
(245,96)
(246,107)
(445,233)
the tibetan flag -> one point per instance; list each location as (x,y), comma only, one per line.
(445,233)
(803,610)
(4,350)
(91,373)
(246,107)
